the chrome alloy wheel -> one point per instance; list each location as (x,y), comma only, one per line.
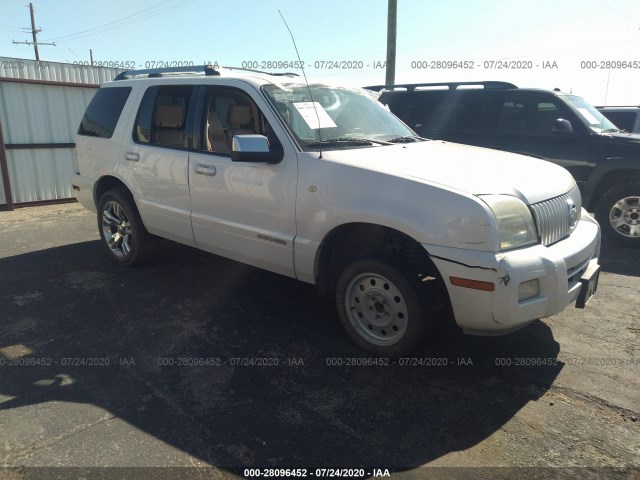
(624,217)
(116,229)
(376,309)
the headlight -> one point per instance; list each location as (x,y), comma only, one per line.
(515,223)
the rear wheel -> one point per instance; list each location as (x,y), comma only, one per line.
(122,231)
(618,212)
(380,308)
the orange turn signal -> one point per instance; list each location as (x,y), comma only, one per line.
(475,284)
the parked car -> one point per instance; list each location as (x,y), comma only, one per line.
(325,185)
(625,118)
(550,125)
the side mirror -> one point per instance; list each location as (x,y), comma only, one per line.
(562,127)
(254,148)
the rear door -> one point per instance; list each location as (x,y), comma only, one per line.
(154,161)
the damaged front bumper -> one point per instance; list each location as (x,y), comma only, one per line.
(524,284)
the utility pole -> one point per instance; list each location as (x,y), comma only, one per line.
(391,42)
(34,33)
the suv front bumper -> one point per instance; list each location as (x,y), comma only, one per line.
(557,270)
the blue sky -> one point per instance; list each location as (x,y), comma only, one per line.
(535,34)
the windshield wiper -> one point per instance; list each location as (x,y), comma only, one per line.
(353,141)
(611,130)
(407,139)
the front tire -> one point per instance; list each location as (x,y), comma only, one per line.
(122,231)
(380,308)
(618,212)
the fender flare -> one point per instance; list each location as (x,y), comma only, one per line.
(604,167)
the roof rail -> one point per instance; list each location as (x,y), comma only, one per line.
(161,72)
(277,74)
(450,85)
(617,106)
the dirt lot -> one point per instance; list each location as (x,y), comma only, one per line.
(195,361)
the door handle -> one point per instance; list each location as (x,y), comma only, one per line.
(497,146)
(203,169)
(132,156)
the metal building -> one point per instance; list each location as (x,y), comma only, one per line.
(41,105)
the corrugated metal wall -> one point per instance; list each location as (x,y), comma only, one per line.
(55,72)
(43,113)
(40,175)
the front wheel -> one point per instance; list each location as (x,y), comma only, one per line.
(618,212)
(122,230)
(380,308)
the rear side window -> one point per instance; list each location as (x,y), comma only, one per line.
(416,109)
(400,103)
(529,114)
(457,111)
(162,116)
(624,120)
(103,112)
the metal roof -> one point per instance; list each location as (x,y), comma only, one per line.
(55,72)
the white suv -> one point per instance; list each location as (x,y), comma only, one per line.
(325,185)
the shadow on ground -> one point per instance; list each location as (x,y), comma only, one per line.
(621,261)
(297,410)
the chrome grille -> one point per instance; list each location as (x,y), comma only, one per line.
(553,218)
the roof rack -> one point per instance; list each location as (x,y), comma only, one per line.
(161,72)
(450,85)
(208,70)
(276,74)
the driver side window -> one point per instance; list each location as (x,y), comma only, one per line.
(230,112)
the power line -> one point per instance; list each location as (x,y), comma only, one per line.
(141,15)
(34,33)
(139,12)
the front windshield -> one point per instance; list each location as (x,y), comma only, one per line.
(591,116)
(336,118)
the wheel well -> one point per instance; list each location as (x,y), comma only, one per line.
(350,242)
(608,180)
(104,185)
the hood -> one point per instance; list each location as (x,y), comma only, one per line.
(470,169)
(625,138)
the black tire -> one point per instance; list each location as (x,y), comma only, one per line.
(370,287)
(618,213)
(120,226)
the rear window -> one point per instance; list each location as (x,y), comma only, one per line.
(456,111)
(102,114)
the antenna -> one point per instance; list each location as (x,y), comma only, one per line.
(306,82)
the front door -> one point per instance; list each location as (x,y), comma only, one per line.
(244,211)
(523,124)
